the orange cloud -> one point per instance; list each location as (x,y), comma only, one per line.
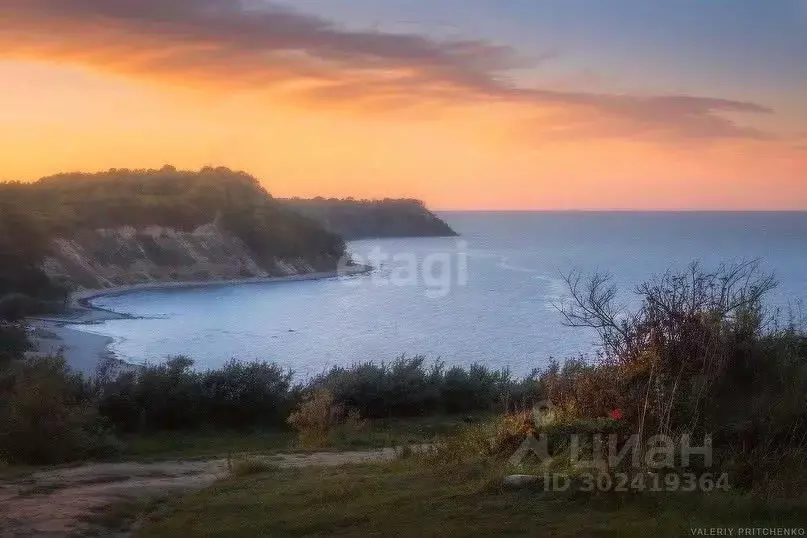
(254,45)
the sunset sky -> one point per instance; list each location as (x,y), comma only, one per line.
(466,104)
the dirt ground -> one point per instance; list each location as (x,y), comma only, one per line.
(82,500)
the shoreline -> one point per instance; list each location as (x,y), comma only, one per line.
(83,299)
(84,350)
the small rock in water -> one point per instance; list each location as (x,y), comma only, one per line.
(520,480)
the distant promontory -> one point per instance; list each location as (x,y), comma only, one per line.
(366,219)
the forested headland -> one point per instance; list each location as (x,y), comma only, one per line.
(122,227)
(77,224)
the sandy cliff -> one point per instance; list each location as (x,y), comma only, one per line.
(123,256)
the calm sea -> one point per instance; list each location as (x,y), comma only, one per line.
(488,296)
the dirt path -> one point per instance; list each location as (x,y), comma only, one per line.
(75,500)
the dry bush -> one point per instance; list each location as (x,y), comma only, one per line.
(580,390)
(666,359)
(491,441)
(319,418)
(510,431)
(699,356)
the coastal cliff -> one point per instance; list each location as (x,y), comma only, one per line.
(125,256)
(363,219)
(124,227)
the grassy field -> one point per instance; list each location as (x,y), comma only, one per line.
(406,498)
(203,445)
(415,495)
(197,445)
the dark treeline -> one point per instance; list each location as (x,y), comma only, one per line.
(413,387)
(360,219)
(67,205)
(42,400)
(175,396)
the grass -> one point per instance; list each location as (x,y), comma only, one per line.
(404,498)
(202,445)
(117,519)
(248,465)
(12,472)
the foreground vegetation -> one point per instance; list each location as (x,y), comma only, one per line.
(410,498)
(395,432)
(700,358)
(100,417)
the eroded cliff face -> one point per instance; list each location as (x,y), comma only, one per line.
(125,256)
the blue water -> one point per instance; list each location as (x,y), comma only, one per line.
(486,297)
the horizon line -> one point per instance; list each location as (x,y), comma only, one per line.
(627,210)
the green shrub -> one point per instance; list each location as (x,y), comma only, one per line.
(166,396)
(174,396)
(407,387)
(15,306)
(381,390)
(14,342)
(245,395)
(47,414)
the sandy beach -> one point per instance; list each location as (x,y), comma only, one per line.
(85,350)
